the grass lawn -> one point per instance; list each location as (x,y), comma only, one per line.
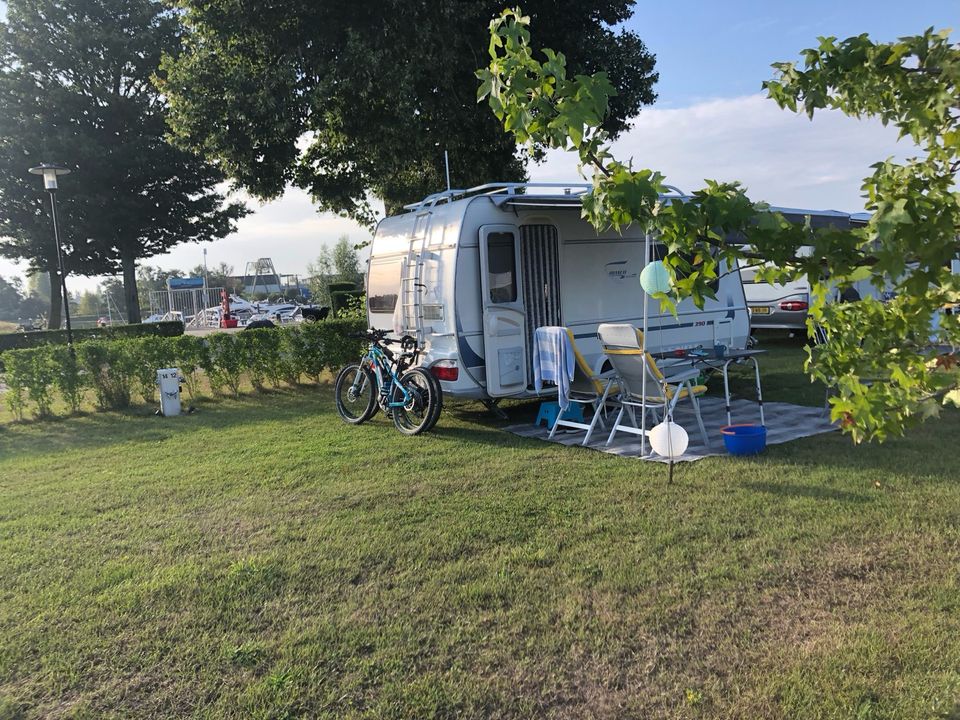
(262,559)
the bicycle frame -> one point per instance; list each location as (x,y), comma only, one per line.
(385,376)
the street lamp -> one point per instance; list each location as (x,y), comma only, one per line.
(50,173)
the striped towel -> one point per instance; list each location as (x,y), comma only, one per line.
(553,361)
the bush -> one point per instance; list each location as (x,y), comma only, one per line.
(15,378)
(226,361)
(34,373)
(191,356)
(341,286)
(309,340)
(261,348)
(329,345)
(111,367)
(31,373)
(344,302)
(15,341)
(116,368)
(69,380)
(149,355)
(291,365)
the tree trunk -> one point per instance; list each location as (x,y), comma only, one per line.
(56,301)
(130,296)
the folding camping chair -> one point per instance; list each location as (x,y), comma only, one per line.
(586,388)
(623,345)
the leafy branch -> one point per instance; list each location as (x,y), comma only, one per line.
(880,357)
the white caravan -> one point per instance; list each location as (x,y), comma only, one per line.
(472,273)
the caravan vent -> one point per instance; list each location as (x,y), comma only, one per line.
(432,312)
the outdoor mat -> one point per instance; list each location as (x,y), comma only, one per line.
(784,422)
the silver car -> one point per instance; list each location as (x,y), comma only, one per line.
(776,307)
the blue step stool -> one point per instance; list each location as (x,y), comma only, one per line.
(549,410)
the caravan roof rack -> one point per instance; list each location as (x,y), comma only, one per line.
(507,188)
(495,188)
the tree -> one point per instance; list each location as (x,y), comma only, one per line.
(11,295)
(152,279)
(346,264)
(37,297)
(321,273)
(75,87)
(880,357)
(337,264)
(344,101)
(217,276)
(113,295)
(90,304)
(38,286)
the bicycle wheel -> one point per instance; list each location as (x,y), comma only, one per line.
(436,392)
(421,406)
(356,393)
(435,395)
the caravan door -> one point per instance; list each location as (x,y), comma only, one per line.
(504,333)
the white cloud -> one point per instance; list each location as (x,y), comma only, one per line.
(781,157)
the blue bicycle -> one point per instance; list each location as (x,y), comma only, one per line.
(383,380)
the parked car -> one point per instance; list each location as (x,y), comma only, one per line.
(310,314)
(780,307)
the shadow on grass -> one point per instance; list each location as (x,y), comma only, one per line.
(478,435)
(138,423)
(921,453)
(816,492)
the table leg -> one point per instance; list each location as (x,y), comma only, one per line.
(726,388)
(756,369)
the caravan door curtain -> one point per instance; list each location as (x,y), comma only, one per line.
(553,361)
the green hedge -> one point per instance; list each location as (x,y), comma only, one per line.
(13,341)
(345,301)
(115,370)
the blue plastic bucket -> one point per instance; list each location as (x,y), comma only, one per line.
(744,439)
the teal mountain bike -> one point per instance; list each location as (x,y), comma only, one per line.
(387,381)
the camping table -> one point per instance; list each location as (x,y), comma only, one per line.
(713,361)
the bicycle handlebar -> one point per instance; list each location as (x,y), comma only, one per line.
(375,336)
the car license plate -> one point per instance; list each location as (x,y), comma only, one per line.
(759,310)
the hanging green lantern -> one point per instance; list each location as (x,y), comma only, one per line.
(655,278)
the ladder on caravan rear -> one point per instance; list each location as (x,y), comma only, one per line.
(411,280)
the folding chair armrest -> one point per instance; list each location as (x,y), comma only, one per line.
(681,376)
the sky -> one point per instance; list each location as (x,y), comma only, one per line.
(710,121)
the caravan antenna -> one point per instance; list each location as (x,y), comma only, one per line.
(446,162)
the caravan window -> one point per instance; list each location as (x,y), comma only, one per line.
(383,286)
(501,267)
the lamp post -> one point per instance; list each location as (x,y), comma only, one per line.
(50,173)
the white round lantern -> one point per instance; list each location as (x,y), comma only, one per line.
(655,278)
(669,440)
